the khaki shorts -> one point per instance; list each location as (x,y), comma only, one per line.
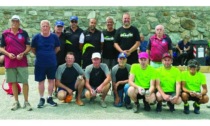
(19,74)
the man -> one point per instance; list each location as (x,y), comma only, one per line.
(143,45)
(45,45)
(127,39)
(119,74)
(72,44)
(92,40)
(194,87)
(109,52)
(67,84)
(142,83)
(159,44)
(98,79)
(168,84)
(58,30)
(15,45)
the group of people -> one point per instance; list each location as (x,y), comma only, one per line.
(90,62)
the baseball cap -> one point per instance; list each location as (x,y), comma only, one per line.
(122,55)
(73,18)
(96,55)
(59,23)
(192,63)
(143,55)
(166,55)
(15,17)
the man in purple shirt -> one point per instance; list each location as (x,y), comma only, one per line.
(15,45)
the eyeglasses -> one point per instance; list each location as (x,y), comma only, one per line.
(73,21)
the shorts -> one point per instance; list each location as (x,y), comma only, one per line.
(71,86)
(41,73)
(19,74)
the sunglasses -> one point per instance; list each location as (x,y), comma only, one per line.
(73,21)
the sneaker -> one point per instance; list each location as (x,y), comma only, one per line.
(147,106)
(128,106)
(15,106)
(186,109)
(196,108)
(159,107)
(171,106)
(51,102)
(208,106)
(118,105)
(92,99)
(103,104)
(27,106)
(41,103)
(136,108)
(79,102)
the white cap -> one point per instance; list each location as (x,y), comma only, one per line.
(15,17)
(96,55)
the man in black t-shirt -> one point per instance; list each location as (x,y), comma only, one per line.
(127,39)
(109,53)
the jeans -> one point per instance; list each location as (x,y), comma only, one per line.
(126,97)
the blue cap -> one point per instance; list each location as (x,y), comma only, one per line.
(73,18)
(122,55)
(59,23)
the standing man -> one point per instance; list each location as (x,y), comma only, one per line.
(92,40)
(58,30)
(98,79)
(45,45)
(73,44)
(67,84)
(142,83)
(109,53)
(168,84)
(120,73)
(159,44)
(15,45)
(143,45)
(127,39)
(194,87)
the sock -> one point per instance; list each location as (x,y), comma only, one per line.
(186,104)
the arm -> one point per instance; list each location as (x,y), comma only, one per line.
(57,49)
(161,91)
(33,50)
(177,46)
(134,47)
(152,86)
(205,90)
(116,45)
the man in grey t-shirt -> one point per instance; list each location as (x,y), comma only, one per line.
(98,79)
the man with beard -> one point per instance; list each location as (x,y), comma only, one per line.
(92,40)
(127,39)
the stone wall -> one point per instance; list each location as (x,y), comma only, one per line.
(178,21)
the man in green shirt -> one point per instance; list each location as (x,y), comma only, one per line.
(194,87)
(142,83)
(168,84)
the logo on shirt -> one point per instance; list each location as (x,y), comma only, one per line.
(163,41)
(109,38)
(126,35)
(20,36)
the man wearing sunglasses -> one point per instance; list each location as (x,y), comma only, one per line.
(73,44)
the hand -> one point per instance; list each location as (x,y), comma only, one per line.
(127,52)
(199,95)
(173,99)
(166,97)
(93,92)
(117,100)
(20,56)
(70,92)
(181,51)
(11,56)
(99,89)
(141,91)
(193,94)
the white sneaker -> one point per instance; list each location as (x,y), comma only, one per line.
(27,106)
(15,106)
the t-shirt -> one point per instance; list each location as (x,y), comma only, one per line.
(109,51)
(168,78)
(45,49)
(158,47)
(120,74)
(15,44)
(96,75)
(193,83)
(68,75)
(142,77)
(126,38)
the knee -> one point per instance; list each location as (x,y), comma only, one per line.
(126,87)
(87,94)
(61,95)
(185,96)
(130,91)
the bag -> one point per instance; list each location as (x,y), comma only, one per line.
(9,90)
